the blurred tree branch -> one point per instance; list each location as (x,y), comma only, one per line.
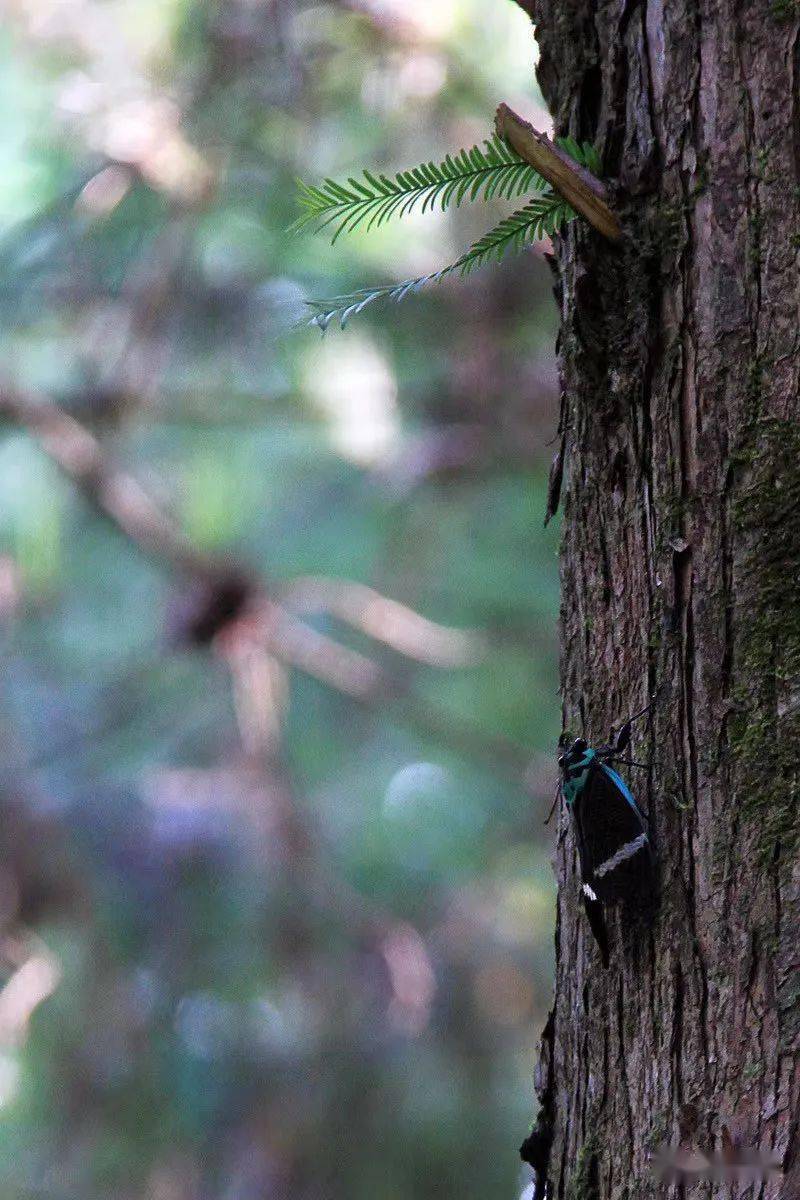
(223,594)
(385,620)
(229,607)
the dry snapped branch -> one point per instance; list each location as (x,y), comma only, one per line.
(513,163)
(564,171)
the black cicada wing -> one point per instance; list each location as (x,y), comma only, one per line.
(613,846)
(597,924)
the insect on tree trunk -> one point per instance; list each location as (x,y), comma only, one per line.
(680,568)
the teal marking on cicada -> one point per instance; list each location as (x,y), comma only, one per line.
(575,767)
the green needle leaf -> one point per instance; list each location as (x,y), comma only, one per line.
(476,173)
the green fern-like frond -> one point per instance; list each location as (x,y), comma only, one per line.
(584,154)
(543,215)
(496,171)
(342,308)
(475,174)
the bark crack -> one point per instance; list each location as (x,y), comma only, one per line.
(624,1071)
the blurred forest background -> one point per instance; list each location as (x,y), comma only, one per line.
(279,688)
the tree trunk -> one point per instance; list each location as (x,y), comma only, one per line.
(680,569)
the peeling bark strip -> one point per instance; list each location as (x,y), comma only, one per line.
(680,565)
(578,186)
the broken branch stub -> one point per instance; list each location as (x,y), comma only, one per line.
(581,190)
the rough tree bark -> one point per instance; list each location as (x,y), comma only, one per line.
(680,565)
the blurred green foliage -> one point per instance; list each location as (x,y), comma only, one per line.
(260,938)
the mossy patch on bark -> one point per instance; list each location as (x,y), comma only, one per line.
(584,1182)
(765,726)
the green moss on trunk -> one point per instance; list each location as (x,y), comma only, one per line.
(765,729)
(584,1182)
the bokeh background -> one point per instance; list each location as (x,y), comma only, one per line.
(278,614)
